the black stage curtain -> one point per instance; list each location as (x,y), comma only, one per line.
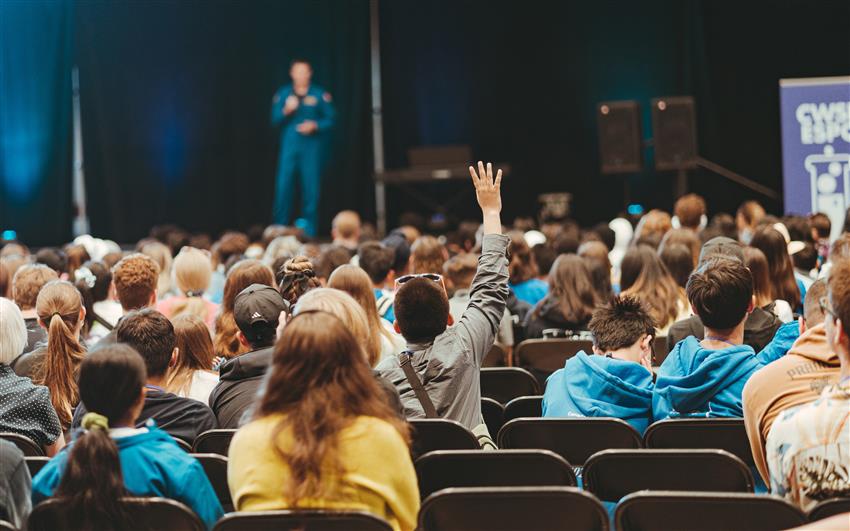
(176,99)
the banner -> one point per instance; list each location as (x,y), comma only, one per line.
(816,147)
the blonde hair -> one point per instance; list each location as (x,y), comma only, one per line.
(161,254)
(191,272)
(13,331)
(354,281)
(58,308)
(428,255)
(345,308)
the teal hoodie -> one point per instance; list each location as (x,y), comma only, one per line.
(598,386)
(152,465)
(697,382)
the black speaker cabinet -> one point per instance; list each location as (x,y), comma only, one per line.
(620,142)
(674,133)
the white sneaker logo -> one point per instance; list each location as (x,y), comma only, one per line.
(256,314)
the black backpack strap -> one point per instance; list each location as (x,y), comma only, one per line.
(416,384)
(106,324)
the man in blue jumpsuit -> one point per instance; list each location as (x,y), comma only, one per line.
(307,115)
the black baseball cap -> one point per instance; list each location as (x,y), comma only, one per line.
(257,310)
(721,247)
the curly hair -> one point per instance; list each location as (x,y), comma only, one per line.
(135,278)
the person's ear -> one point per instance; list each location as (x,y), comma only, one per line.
(597,350)
(242,339)
(152,300)
(841,336)
(752,305)
(282,319)
(42,324)
(646,343)
(450,321)
(396,327)
(174,353)
(802,324)
(391,277)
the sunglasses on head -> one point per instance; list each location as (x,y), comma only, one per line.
(430,276)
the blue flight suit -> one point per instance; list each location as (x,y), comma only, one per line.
(301,153)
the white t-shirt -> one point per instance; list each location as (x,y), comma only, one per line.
(203,382)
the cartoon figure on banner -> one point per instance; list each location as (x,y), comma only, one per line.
(830,175)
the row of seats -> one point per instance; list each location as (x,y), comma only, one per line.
(494,509)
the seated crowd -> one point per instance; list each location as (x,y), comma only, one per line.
(318,353)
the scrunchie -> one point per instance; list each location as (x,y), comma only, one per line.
(93,421)
(85,274)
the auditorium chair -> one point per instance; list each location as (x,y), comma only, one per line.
(574,439)
(659,350)
(724,434)
(524,406)
(493,414)
(306,520)
(613,474)
(6,526)
(705,511)
(500,468)
(830,507)
(503,384)
(496,357)
(24,444)
(542,357)
(35,463)
(186,447)
(440,434)
(148,513)
(213,442)
(512,508)
(215,467)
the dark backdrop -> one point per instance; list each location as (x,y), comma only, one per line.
(175,97)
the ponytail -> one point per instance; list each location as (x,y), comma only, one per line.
(92,481)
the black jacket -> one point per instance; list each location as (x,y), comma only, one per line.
(239,381)
(547,314)
(759,329)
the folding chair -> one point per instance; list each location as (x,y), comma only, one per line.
(503,384)
(186,447)
(659,350)
(574,439)
(215,467)
(35,463)
(213,442)
(512,508)
(440,434)
(545,356)
(613,474)
(24,444)
(307,520)
(148,513)
(524,406)
(830,507)
(500,468)
(723,434)
(493,414)
(705,511)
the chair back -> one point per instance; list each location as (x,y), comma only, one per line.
(524,406)
(549,355)
(146,513)
(724,434)
(493,414)
(503,384)
(511,508)
(6,526)
(613,474)
(215,467)
(35,463)
(440,434)
(213,442)
(574,439)
(705,511)
(830,507)
(307,520)
(500,468)
(659,350)
(24,444)
(496,357)
(186,447)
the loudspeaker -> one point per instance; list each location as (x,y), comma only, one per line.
(620,144)
(675,135)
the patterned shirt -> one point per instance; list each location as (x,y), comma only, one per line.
(25,408)
(808,449)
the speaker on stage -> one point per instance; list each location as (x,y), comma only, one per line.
(674,132)
(620,143)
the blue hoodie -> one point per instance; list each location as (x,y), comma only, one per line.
(597,386)
(697,382)
(781,343)
(152,465)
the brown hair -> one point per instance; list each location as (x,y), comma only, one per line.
(683,237)
(192,271)
(460,270)
(772,243)
(720,292)
(756,262)
(821,225)
(58,307)
(320,384)
(76,255)
(4,280)
(28,281)
(749,214)
(645,276)
(346,224)
(839,292)
(161,254)
(195,353)
(522,266)
(241,275)
(354,281)
(135,279)
(572,287)
(297,277)
(230,244)
(654,224)
(689,209)
(428,255)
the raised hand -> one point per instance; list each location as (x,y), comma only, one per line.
(489,195)
(290,105)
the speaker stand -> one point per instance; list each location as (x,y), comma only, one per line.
(681,186)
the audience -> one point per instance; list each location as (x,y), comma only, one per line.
(808,445)
(775,248)
(427,255)
(705,378)
(94,281)
(568,306)
(161,254)
(243,274)
(231,246)
(345,230)
(763,288)
(642,274)
(679,262)
(748,217)
(614,381)
(595,255)
(15,486)
(116,456)
(26,284)
(297,278)
(378,261)
(150,334)
(192,375)
(60,310)
(25,408)
(689,213)
(323,436)
(524,272)
(191,273)
(257,310)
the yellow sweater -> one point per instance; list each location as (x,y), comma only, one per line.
(379,477)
